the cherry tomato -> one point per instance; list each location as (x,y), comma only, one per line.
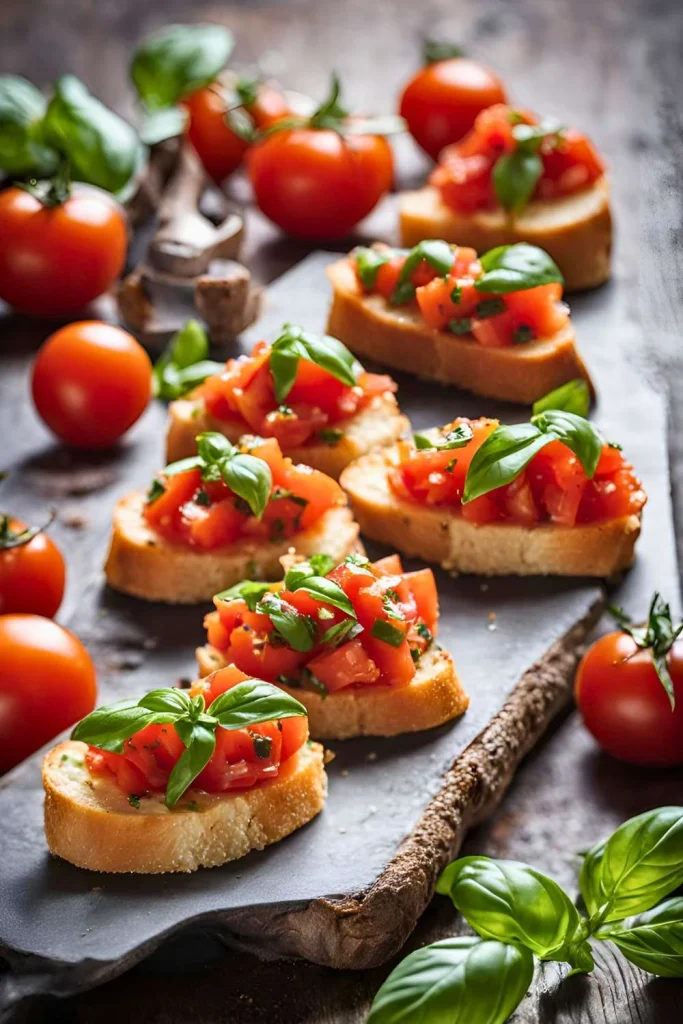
(440,103)
(219,148)
(47,683)
(32,574)
(54,260)
(625,706)
(315,183)
(91,382)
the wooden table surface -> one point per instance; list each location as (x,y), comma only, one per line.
(613,68)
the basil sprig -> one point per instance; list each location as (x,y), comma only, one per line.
(245,704)
(299,631)
(246,476)
(184,365)
(516,174)
(437,253)
(368,263)
(457,437)
(326,352)
(520,914)
(308,577)
(515,268)
(574,396)
(658,635)
(509,449)
(249,591)
(178,60)
(23,147)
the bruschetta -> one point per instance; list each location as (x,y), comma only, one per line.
(516,178)
(354,642)
(120,796)
(229,512)
(305,390)
(547,497)
(495,326)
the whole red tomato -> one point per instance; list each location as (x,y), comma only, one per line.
(47,683)
(91,382)
(55,259)
(440,103)
(219,148)
(320,178)
(624,704)
(32,571)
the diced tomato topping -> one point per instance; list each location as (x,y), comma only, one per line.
(343,666)
(464,174)
(208,515)
(552,488)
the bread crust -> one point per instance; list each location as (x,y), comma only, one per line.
(90,822)
(399,337)
(380,423)
(435,695)
(493,549)
(576,230)
(143,564)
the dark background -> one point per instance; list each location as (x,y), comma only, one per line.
(615,70)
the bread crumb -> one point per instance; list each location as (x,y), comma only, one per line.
(372,756)
(328,756)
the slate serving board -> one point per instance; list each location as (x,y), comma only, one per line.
(345,890)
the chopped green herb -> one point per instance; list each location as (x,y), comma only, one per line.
(279,493)
(311,682)
(402,293)
(355,558)
(202,497)
(330,436)
(249,591)
(368,262)
(341,633)
(415,655)
(193,805)
(523,333)
(262,745)
(155,491)
(422,631)
(451,466)
(134,800)
(383,630)
(389,606)
(64,757)
(278,530)
(490,307)
(460,325)
(456,294)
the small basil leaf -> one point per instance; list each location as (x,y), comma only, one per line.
(574,396)
(107,728)
(383,630)
(368,262)
(183,465)
(341,633)
(322,589)
(159,125)
(530,137)
(177,61)
(502,457)
(458,437)
(212,446)
(654,940)
(22,147)
(284,363)
(250,478)
(101,147)
(322,564)
(515,176)
(249,591)
(437,253)
(294,343)
(184,364)
(636,867)
(512,902)
(200,744)
(514,268)
(297,629)
(252,702)
(576,432)
(455,981)
(173,700)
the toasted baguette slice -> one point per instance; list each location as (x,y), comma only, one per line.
(399,337)
(379,424)
(435,695)
(143,564)
(493,549)
(576,230)
(90,822)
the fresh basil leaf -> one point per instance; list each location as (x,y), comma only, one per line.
(455,981)
(368,262)
(530,137)
(323,589)
(636,867)
(183,465)
(102,148)
(502,457)
(322,564)
(184,364)
(294,344)
(574,397)
(252,702)
(383,630)
(341,633)
(159,125)
(23,149)
(515,176)
(316,565)
(402,293)
(250,478)
(249,591)
(512,902)
(107,728)
(458,437)
(199,747)
(653,941)
(213,447)
(514,268)
(177,383)
(576,432)
(172,699)
(297,629)
(437,253)
(178,60)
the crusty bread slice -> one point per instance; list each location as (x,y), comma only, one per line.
(494,549)
(435,695)
(576,230)
(380,423)
(90,822)
(143,564)
(399,337)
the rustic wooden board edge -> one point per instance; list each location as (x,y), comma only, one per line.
(365,929)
